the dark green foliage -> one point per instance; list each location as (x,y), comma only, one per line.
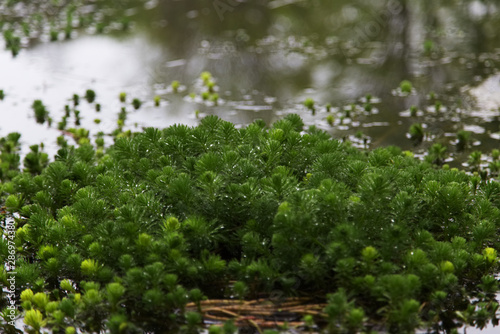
(41,114)
(416,133)
(167,217)
(136,103)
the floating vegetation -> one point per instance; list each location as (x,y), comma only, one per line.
(136,103)
(41,113)
(405,86)
(417,133)
(205,223)
(123,97)
(463,140)
(90,95)
(2,95)
(175,86)
(309,104)
(330,119)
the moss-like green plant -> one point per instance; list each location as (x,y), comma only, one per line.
(136,103)
(413,111)
(157,100)
(417,132)
(136,237)
(41,113)
(330,119)
(76,99)
(90,95)
(328,107)
(2,95)
(437,154)
(175,86)
(405,86)
(309,104)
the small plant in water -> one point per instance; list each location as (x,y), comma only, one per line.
(463,140)
(405,86)
(413,111)
(2,95)
(123,97)
(330,119)
(41,113)
(76,100)
(309,104)
(90,95)
(157,100)
(475,160)
(417,132)
(437,154)
(175,86)
(136,103)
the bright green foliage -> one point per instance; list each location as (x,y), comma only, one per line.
(124,241)
(136,103)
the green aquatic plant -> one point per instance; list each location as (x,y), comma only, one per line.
(437,105)
(405,86)
(205,77)
(136,103)
(54,35)
(2,95)
(35,161)
(157,100)
(475,160)
(328,107)
(41,113)
(123,97)
(175,86)
(12,41)
(97,107)
(330,119)
(76,100)
(138,234)
(368,107)
(413,111)
(90,95)
(428,47)
(309,104)
(495,154)
(214,98)
(463,140)
(437,154)
(417,133)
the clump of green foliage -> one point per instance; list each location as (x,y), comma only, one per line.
(41,113)
(90,95)
(405,86)
(121,241)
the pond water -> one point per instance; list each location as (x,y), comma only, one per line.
(267,58)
